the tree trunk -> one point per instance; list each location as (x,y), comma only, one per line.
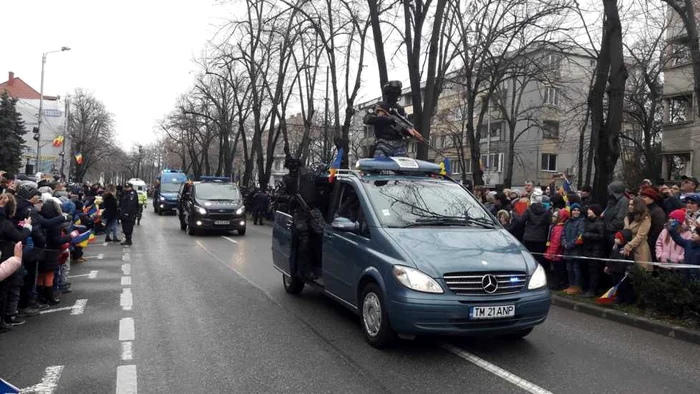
(378,42)
(608,150)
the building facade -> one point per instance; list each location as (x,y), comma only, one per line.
(681,126)
(53,125)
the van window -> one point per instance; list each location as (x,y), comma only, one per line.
(405,202)
(349,207)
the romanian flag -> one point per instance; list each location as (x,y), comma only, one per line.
(81,238)
(58,141)
(610,295)
(564,191)
(446,167)
(91,238)
(91,210)
(79,158)
(442,169)
(335,166)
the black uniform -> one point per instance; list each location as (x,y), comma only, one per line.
(388,141)
(129,206)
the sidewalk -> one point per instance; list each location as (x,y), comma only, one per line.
(644,323)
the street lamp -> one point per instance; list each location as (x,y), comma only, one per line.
(41,104)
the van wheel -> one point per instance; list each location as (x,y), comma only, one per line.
(375,319)
(292,284)
(514,336)
(241,232)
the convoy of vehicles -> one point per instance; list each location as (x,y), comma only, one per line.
(213,203)
(165,196)
(412,252)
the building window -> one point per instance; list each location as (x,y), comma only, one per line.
(680,55)
(497,131)
(367,131)
(455,167)
(554,63)
(408,99)
(551,96)
(412,147)
(549,162)
(680,109)
(591,63)
(468,166)
(493,162)
(550,129)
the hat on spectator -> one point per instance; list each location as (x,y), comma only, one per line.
(575,206)
(564,215)
(650,192)
(27,190)
(691,179)
(597,209)
(624,235)
(586,189)
(678,214)
(694,197)
(536,196)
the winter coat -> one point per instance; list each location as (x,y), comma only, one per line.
(618,267)
(658,221)
(110,206)
(54,238)
(594,238)
(667,250)
(616,210)
(260,201)
(690,248)
(536,221)
(638,246)
(554,246)
(572,231)
(129,205)
(9,236)
(9,266)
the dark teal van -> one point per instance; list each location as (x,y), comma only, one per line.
(412,252)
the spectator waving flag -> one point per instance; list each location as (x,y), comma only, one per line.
(335,166)
(58,141)
(79,158)
(610,295)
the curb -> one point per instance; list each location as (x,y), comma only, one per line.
(665,329)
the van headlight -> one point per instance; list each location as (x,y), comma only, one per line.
(240,210)
(538,279)
(201,210)
(162,198)
(416,280)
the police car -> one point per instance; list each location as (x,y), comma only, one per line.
(213,203)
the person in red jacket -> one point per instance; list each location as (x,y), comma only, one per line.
(554,250)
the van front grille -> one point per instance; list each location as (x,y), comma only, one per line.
(483,283)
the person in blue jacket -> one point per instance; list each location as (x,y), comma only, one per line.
(691,247)
(572,243)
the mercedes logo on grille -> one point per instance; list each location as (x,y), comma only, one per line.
(489,283)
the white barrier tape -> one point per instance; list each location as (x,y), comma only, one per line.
(662,265)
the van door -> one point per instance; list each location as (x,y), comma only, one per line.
(282,242)
(344,252)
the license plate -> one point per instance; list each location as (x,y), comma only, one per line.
(491,312)
(222,222)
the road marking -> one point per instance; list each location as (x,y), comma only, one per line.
(91,275)
(126,281)
(48,382)
(98,257)
(76,309)
(126,300)
(126,257)
(79,307)
(126,269)
(126,329)
(496,370)
(229,239)
(127,351)
(105,244)
(126,379)
(267,293)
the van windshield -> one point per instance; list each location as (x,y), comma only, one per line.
(169,187)
(416,202)
(218,191)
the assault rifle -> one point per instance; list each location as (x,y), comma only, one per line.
(403,126)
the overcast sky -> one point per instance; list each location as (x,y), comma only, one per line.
(135,56)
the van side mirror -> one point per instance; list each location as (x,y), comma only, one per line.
(345,225)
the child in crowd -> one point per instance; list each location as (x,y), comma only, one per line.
(572,241)
(668,251)
(554,250)
(619,268)
(594,247)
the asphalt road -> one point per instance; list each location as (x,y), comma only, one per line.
(209,314)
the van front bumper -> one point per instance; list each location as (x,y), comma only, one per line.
(449,315)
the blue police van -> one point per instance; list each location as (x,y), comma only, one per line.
(412,252)
(165,196)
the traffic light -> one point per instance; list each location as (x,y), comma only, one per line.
(35,130)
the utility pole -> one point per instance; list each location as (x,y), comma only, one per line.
(65,132)
(488,144)
(138,165)
(325,155)
(41,106)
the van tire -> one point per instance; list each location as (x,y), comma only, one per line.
(379,335)
(292,284)
(241,232)
(517,335)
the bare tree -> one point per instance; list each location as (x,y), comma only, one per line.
(91,131)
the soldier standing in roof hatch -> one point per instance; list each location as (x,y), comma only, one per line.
(388,142)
